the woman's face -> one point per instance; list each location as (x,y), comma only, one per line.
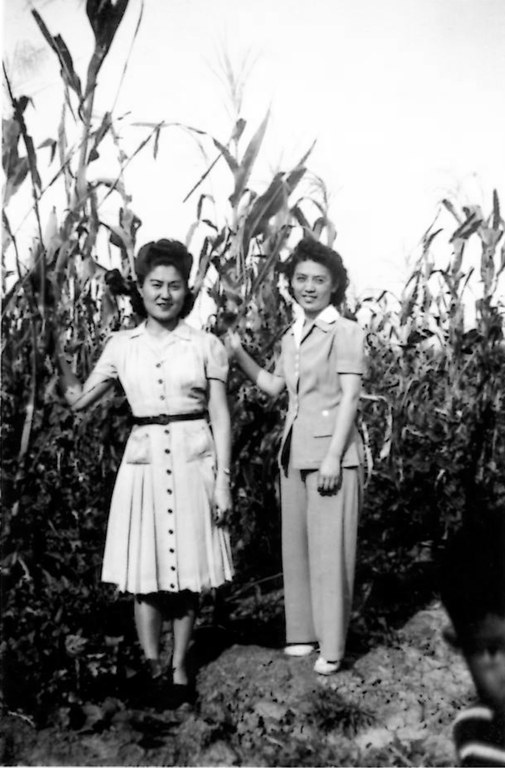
(163,292)
(312,286)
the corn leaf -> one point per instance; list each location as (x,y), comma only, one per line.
(156,144)
(15,179)
(105,17)
(429,238)
(301,218)
(269,262)
(58,45)
(468,227)
(127,60)
(10,137)
(232,163)
(238,129)
(243,173)
(496,210)
(450,207)
(102,131)
(270,202)
(457,259)
(204,261)
(53,144)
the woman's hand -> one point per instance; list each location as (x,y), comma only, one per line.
(329,475)
(232,343)
(222,499)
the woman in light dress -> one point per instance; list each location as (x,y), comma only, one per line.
(164,543)
(321,364)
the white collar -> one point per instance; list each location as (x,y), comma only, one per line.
(182,330)
(327,315)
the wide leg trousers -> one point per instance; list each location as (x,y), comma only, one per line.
(319,536)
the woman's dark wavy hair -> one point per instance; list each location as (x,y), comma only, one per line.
(309,249)
(167,253)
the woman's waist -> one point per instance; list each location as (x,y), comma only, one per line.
(167,418)
(315,413)
(309,442)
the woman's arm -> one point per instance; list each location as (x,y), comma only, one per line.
(266,381)
(221,429)
(330,469)
(77,395)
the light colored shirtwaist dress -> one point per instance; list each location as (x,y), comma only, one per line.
(319,533)
(161,535)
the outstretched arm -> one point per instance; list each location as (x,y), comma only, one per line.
(77,395)
(266,381)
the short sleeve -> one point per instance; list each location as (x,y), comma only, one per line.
(106,367)
(350,348)
(216,359)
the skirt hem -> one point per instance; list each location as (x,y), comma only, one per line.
(150,589)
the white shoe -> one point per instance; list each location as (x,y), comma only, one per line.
(323,667)
(300,649)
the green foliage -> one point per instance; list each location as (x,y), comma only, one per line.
(444,381)
(55,501)
(328,711)
(58,468)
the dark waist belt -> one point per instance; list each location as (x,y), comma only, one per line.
(166,418)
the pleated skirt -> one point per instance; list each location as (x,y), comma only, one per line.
(161,535)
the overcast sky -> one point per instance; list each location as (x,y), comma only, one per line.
(404,97)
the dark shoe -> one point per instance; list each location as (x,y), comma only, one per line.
(145,688)
(176,695)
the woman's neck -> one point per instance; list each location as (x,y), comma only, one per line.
(311,316)
(155,328)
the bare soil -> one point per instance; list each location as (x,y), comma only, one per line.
(393,705)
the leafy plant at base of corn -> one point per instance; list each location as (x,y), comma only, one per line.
(58,468)
(444,381)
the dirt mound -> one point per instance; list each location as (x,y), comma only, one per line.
(393,706)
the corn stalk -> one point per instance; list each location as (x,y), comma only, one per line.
(443,377)
(54,289)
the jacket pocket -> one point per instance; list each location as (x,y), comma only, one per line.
(324,424)
(353,451)
(138,448)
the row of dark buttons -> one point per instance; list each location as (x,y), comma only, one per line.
(169,490)
(160,381)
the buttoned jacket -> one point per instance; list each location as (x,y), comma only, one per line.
(313,357)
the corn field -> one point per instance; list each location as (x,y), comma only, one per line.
(432,413)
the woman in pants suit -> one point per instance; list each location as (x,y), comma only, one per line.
(321,363)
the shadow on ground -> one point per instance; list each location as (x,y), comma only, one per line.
(392,703)
(392,706)
(252,614)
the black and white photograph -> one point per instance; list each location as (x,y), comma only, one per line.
(253,383)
